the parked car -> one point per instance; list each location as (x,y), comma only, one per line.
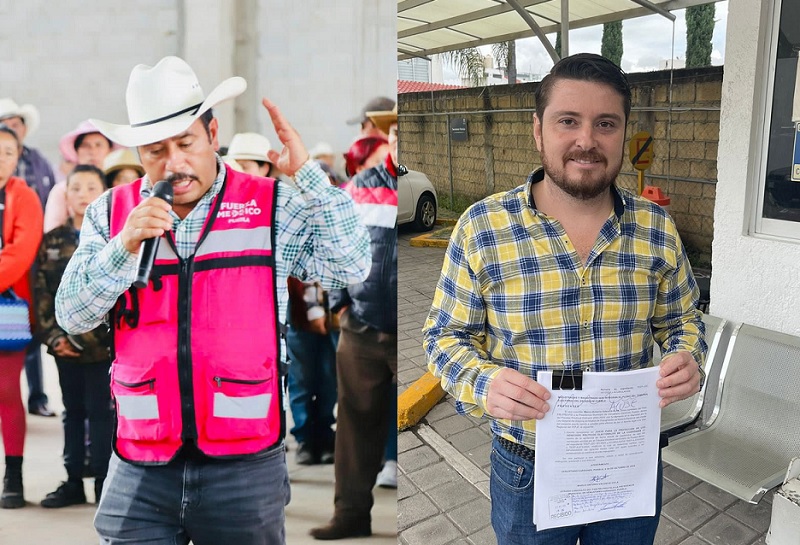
(417,201)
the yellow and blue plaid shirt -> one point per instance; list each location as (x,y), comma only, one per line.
(514,293)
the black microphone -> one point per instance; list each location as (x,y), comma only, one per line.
(149,248)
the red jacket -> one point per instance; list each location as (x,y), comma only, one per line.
(22,234)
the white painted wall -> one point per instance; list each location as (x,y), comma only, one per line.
(755,280)
(319,60)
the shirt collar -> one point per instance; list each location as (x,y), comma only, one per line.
(538,175)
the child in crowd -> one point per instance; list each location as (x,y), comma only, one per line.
(83,361)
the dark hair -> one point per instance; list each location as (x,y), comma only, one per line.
(206,118)
(88,168)
(359,151)
(584,67)
(79,139)
(8,130)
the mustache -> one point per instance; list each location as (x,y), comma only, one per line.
(585,156)
(180,176)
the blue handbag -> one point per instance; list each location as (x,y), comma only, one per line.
(15,328)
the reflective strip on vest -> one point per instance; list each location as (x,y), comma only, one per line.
(138,407)
(165,251)
(241,407)
(377,215)
(236,240)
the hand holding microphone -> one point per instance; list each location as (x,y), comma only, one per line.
(144,227)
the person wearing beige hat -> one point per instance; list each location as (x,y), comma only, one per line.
(368,127)
(199,443)
(122,167)
(249,150)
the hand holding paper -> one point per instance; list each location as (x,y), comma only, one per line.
(514,396)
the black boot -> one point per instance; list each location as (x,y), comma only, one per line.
(12,497)
(68,493)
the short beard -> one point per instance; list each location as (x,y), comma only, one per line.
(585,189)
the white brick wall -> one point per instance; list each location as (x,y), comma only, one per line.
(320,60)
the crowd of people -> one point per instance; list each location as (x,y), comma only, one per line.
(287,255)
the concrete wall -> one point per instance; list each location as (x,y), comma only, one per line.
(755,278)
(319,60)
(500,151)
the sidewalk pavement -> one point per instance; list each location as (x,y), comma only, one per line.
(311,504)
(443,480)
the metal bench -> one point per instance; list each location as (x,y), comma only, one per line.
(745,446)
(677,416)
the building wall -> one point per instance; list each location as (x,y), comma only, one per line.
(755,278)
(319,60)
(500,151)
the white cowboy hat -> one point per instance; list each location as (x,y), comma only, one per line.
(122,158)
(320,150)
(28,113)
(163,100)
(248,146)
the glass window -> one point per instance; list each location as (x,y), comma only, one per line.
(779,195)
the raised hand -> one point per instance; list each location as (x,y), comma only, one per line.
(293,155)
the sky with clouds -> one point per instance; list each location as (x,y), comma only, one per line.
(646,42)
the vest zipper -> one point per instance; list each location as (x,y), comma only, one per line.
(151,383)
(220,380)
(184,354)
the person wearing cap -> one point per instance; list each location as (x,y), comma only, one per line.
(38,173)
(122,167)
(196,375)
(366,356)
(368,127)
(84,145)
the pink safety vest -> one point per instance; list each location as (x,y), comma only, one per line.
(196,351)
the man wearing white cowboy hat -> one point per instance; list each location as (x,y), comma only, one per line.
(196,379)
(249,150)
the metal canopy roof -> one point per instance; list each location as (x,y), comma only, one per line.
(426,27)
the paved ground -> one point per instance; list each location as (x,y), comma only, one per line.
(444,460)
(311,505)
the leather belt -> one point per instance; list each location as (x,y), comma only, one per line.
(518,449)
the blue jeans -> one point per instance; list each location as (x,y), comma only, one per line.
(239,502)
(312,385)
(511,487)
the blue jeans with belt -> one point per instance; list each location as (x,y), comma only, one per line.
(239,502)
(511,487)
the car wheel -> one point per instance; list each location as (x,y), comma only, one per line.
(425,218)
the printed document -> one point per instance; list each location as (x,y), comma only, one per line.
(597,449)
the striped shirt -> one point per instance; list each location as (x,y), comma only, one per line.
(318,237)
(514,293)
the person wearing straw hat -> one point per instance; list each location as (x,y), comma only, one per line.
(198,447)
(249,150)
(368,127)
(122,167)
(366,356)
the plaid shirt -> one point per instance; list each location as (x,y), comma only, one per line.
(318,236)
(513,293)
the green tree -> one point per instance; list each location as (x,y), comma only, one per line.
(505,53)
(699,31)
(611,47)
(468,63)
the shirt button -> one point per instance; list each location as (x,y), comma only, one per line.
(586,324)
